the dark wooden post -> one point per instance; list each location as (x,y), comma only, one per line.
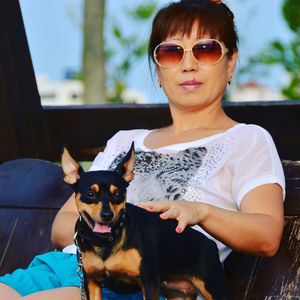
(22,133)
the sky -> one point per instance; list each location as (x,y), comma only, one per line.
(53,29)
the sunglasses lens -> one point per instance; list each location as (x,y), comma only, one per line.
(208,51)
(169,54)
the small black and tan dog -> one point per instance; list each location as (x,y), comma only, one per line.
(127,248)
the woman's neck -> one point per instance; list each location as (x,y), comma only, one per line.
(210,118)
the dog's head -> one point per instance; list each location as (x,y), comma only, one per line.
(100,195)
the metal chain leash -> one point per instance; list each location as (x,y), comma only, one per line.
(80,274)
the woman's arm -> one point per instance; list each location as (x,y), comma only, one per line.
(62,233)
(255,229)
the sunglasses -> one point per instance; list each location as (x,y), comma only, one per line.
(205,51)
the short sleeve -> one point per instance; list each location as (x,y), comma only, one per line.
(118,144)
(256,162)
(101,160)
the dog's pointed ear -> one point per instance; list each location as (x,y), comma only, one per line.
(125,166)
(70,167)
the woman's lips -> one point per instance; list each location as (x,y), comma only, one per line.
(190,84)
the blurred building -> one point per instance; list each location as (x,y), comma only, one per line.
(70,92)
(134,96)
(254,91)
(64,92)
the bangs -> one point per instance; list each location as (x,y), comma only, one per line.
(182,22)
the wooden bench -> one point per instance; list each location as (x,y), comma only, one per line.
(25,220)
(29,130)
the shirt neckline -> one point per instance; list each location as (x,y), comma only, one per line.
(180,146)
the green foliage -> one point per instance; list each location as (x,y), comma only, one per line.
(285,54)
(115,95)
(143,11)
(291,13)
(117,32)
(288,55)
(130,49)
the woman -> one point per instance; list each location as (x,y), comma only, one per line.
(225,178)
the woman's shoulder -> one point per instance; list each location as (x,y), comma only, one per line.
(251,137)
(239,135)
(117,145)
(251,132)
(127,136)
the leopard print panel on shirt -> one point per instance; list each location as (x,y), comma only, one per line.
(160,176)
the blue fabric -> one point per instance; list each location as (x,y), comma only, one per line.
(54,270)
(46,271)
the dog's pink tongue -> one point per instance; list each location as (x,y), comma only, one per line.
(101,228)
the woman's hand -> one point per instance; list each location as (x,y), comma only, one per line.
(185,212)
(256,228)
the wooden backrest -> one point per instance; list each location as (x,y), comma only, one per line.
(277,277)
(86,129)
(31,192)
(26,216)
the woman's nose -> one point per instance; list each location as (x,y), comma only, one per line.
(189,62)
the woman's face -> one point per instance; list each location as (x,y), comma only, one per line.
(191,85)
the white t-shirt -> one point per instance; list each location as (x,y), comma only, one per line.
(218,170)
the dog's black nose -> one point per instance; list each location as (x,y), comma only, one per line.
(106,215)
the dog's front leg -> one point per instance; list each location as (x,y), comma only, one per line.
(150,284)
(150,292)
(95,290)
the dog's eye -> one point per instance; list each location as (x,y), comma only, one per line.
(117,197)
(91,195)
(117,194)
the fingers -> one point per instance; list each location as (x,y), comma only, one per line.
(181,225)
(174,213)
(146,205)
(168,210)
(170,213)
(157,206)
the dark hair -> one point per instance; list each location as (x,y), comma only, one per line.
(214,18)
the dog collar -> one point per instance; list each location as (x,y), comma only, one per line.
(83,232)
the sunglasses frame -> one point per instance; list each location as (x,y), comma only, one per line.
(223,48)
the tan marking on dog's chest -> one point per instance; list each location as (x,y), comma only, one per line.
(93,263)
(124,261)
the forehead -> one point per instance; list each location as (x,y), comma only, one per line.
(101,178)
(193,25)
(196,33)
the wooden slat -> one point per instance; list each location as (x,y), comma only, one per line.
(292,201)
(30,237)
(32,183)
(292,175)
(239,269)
(8,221)
(86,129)
(278,277)
(291,168)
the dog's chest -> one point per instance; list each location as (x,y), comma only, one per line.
(122,262)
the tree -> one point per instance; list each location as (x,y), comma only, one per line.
(133,48)
(93,52)
(287,55)
(96,56)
